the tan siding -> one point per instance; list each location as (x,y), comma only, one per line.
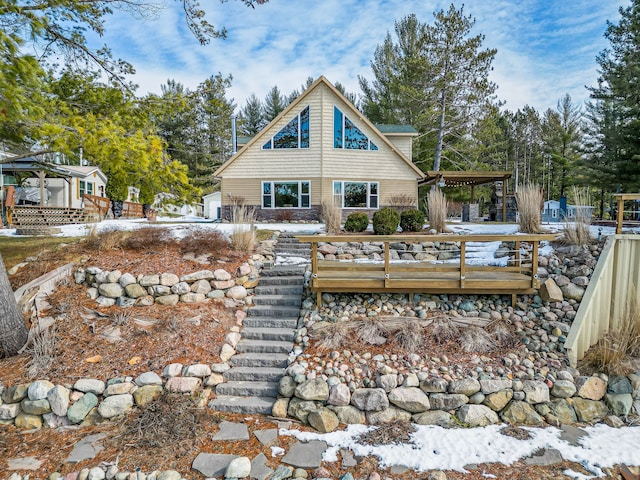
(356,163)
(402,143)
(281,163)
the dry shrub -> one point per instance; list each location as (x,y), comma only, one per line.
(243,235)
(409,336)
(477,340)
(202,241)
(392,433)
(614,352)
(503,335)
(332,217)
(437,206)
(147,239)
(107,240)
(577,232)
(336,335)
(171,420)
(42,350)
(444,330)
(284,215)
(529,200)
(371,330)
(402,201)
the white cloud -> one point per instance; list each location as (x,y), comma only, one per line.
(545,49)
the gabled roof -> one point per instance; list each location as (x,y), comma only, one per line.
(294,105)
(31,164)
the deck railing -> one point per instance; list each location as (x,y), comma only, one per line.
(614,283)
(458,273)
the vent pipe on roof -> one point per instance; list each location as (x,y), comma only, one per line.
(234,135)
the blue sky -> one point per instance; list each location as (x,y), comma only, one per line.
(546,48)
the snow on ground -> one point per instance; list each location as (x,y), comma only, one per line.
(437,448)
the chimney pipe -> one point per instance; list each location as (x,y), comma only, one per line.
(234,136)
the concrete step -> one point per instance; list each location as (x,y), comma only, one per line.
(287,280)
(277,334)
(278,300)
(270,360)
(254,374)
(278,290)
(263,346)
(248,389)
(283,271)
(270,322)
(273,311)
(235,404)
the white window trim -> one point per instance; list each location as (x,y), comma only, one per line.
(368,207)
(273,194)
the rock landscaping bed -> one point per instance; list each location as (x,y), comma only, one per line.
(139,354)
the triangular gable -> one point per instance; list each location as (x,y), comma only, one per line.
(293,109)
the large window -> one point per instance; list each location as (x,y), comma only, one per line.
(356,194)
(286,194)
(86,187)
(347,135)
(294,134)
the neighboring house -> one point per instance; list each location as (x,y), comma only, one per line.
(212,205)
(62,185)
(320,149)
(553,213)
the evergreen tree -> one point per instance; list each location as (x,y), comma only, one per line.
(615,107)
(251,119)
(434,77)
(274,104)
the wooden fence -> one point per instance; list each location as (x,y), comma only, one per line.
(456,275)
(96,207)
(614,285)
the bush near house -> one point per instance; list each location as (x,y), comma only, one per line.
(386,221)
(356,222)
(411,220)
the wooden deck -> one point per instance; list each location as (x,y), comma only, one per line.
(451,276)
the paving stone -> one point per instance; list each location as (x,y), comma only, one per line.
(544,457)
(305,455)
(86,449)
(232,431)
(24,463)
(267,437)
(259,468)
(211,464)
(347,458)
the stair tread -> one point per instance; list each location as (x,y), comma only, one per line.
(251,404)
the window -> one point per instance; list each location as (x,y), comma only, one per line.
(286,194)
(347,135)
(86,188)
(356,194)
(294,134)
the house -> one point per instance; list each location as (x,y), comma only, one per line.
(553,212)
(52,184)
(320,150)
(212,205)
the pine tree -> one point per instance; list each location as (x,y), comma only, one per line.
(274,103)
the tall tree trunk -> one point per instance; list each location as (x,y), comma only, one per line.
(13,330)
(436,160)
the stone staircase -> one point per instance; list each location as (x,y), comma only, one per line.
(251,384)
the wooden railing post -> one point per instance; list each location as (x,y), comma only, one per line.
(314,272)
(387,255)
(534,265)
(620,216)
(463,262)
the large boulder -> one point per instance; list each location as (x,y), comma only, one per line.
(477,415)
(411,399)
(521,413)
(370,399)
(314,389)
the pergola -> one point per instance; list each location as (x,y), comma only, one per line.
(459,178)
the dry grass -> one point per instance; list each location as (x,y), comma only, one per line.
(444,330)
(478,340)
(243,235)
(401,202)
(332,218)
(372,330)
(613,354)
(577,232)
(409,336)
(437,207)
(42,350)
(529,200)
